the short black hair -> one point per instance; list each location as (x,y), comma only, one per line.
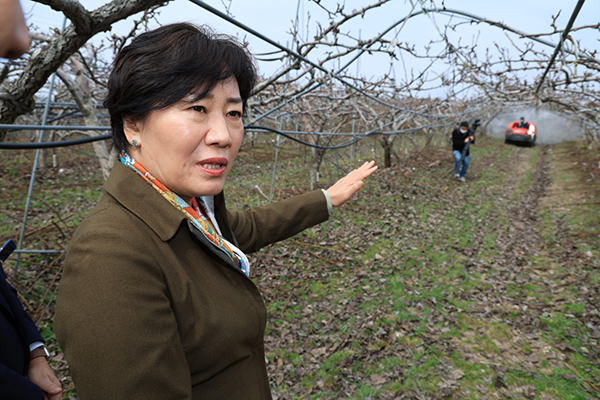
(464,123)
(163,66)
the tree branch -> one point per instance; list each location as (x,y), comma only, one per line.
(19,97)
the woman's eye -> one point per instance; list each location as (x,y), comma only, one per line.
(235,114)
(199,108)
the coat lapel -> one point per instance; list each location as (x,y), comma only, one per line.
(223,220)
(214,249)
(5,294)
(141,199)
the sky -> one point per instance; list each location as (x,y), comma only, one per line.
(274,19)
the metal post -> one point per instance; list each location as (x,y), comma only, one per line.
(338,165)
(34,169)
(33,175)
(352,145)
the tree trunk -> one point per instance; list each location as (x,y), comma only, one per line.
(19,98)
(82,93)
(387,142)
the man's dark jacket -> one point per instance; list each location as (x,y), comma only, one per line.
(17,331)
(458,139)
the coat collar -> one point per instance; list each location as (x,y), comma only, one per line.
(137,196)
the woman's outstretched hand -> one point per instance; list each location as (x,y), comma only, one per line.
(343,189)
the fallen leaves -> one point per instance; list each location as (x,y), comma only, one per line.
(402,292)
(423,288)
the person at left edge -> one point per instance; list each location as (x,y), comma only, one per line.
(14,36)
(22,352)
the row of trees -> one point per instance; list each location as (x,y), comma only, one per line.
(313,97)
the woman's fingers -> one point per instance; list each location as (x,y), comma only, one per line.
(343,189)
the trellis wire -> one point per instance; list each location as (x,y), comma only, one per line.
(354,137)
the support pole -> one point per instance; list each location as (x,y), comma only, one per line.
(558,47)
(34,169)
(33,176)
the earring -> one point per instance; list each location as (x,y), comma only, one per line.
(134,143)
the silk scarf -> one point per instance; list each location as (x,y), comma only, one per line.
(196,213)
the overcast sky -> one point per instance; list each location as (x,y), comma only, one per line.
(275,18)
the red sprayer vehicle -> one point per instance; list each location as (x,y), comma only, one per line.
(526,134)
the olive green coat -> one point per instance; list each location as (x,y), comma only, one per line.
(146,310)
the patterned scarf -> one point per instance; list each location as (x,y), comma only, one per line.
(195,213)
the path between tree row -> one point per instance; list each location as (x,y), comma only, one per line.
(427,288)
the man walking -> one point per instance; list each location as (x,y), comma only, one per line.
(462,137)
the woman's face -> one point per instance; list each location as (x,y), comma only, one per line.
(190,147)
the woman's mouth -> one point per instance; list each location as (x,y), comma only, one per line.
(213,166)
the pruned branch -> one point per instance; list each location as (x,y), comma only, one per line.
(18,99)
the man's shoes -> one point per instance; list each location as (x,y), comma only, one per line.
(462,179)
(456,176)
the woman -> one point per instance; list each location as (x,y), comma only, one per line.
(155,300)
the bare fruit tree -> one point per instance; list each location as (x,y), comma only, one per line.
(316,89)
(18,97)
(520,73)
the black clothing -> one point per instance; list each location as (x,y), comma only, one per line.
(523,125)
(17,331)
(458,139)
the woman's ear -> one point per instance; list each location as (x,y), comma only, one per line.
(132,131)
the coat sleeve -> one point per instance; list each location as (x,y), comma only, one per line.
(261,226)
(16,387)
(114,319)
(33,334)
(12,384)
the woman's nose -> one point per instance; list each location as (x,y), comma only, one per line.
(218,132)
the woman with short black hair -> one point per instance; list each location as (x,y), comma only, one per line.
(155,301)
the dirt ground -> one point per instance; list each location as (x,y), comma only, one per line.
(420,288)
(525,309)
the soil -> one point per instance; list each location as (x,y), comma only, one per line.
(525,277)
(421,287)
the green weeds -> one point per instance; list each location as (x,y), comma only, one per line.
(419,287)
